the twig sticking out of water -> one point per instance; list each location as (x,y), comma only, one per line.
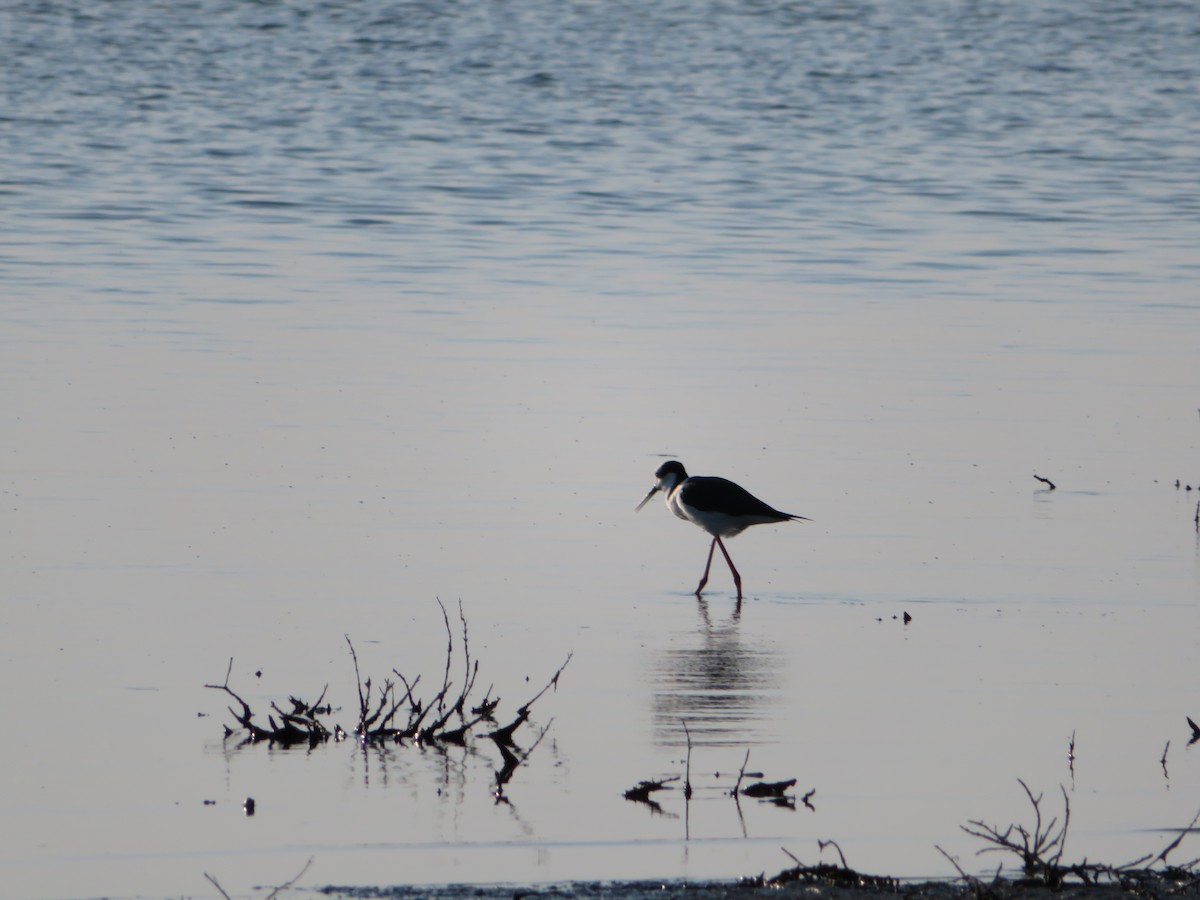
(367,730)
(1050,486)
(775,791)
(742,774)
(376,716)
(438,730)
(449,656)
(978,888)
(298,726)
(1163,762)
(379,706)
(1183,832)
(271,896)
(821,845)
(505,735)
(217,885)
(687,771)
(288,884)
(825,874)
(1195,731)
(1040,850)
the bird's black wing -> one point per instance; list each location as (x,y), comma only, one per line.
(708,493)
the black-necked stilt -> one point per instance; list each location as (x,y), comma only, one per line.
(717,505)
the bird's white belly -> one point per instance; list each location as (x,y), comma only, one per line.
(718,524)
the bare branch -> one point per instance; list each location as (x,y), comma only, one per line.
(687,780)
(287,884)
(1178,840)
(821,845)
(552,683)
(217,884)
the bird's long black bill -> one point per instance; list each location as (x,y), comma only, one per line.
(646,499)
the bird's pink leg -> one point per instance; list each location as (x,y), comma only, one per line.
(737,579)
(707,566)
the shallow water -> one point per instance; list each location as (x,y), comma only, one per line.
(314,315)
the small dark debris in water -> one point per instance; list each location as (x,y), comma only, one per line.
(641,792)
(1195,731)
(248,806)
(1046,481)
(487,707)
(210,802)
(258,673)
(907,618)
(768,789)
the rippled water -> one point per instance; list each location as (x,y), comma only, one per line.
(313,313)
(200,151)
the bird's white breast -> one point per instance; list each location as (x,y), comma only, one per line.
(718,524)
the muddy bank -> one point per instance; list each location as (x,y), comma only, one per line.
(1153,887)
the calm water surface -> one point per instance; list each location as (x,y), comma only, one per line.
(315,313)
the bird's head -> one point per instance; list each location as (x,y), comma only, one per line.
(669,474)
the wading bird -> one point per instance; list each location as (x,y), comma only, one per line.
(717,505)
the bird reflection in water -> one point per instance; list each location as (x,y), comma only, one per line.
(719,686)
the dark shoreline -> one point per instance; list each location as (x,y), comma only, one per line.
(1147,885)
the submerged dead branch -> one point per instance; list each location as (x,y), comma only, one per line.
(775,793)
(504,735)
(768,789)
(513,758)
(298,726)
(641,791)
(392,711)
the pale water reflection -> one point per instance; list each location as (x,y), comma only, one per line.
(726,692)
